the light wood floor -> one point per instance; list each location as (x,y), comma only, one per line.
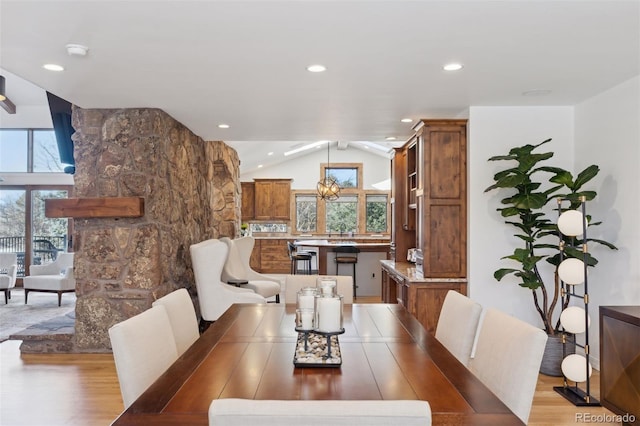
(82,389)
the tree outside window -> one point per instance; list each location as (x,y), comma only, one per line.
(306,213)
(376,213)
(342,214)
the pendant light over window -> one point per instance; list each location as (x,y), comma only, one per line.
(328,188)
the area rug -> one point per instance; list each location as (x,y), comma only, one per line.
(16,316)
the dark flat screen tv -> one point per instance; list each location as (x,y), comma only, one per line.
(61,117)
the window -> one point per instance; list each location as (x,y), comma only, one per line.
(376,208)
(45,152)
(29,150)
(345,177)
(342,215)
(14,150)
(306,213)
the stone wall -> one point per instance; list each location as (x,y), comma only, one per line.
(191,192)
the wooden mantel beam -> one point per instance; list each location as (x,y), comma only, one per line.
(94,207)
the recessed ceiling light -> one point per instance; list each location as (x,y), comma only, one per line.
(53,67)
(316,68)
(407,120)
(259,165)
(452,67)
(270,153)
(223,126)
(390,138)
(536,92)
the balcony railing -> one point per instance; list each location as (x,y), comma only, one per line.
(45,249)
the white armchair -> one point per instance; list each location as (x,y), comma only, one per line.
(55,277)
(214,296)
(8,272)
(237,267)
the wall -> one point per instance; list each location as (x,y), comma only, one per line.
(306,169)
(607,133)
(191,193)
(493,131)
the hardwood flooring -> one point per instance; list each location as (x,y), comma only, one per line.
(82,389)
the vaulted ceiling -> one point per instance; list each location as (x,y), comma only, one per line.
(243,63)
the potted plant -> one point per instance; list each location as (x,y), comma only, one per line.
(527,209)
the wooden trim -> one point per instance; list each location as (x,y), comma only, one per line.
(95,207)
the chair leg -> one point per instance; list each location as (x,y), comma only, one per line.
(5,297)
(9,291)
(354,281)
(26,293)
(59,298)
(277,298)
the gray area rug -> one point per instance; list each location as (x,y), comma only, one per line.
(16,316)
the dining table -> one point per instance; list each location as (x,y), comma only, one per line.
(249,353)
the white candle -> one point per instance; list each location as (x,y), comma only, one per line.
(329,314)
(305,301)
(307,319)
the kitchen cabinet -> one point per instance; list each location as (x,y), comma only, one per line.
(247,207)
(429,176)
(421,297)
(272,199)
(273,256)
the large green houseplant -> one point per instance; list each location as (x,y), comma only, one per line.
(527,209)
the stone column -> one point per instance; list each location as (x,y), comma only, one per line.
(191,192)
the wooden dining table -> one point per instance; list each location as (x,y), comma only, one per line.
(249,351)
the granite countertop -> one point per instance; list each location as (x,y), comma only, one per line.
(408,271)
(279,236)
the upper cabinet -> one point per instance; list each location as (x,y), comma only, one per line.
(430,197)
(272,199)
(248,201)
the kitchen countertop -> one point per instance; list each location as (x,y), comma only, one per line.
(267,236)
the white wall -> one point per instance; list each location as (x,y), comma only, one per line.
(493,131)
(27,116)
(607,133)
(306,169)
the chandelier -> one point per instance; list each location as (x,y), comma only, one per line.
(328,189)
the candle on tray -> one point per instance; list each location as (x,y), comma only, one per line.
(327,285)
(306,297)
(328,314)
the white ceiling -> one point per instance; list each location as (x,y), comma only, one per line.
(243,63)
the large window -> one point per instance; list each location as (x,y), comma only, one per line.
(356,211)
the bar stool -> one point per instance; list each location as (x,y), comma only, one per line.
(296,256)
(347,255)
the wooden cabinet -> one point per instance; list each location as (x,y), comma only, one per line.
(247,207)
(442,197)
(272,199)
(273,256)
(422,297)
(403,218)
(620,360)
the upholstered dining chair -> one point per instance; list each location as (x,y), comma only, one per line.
(507,359)
(143,348)
(458,324)
(238,268)
(214,296)
(240,412)
(8,273)
(293,284)
(182,316)
(55,277)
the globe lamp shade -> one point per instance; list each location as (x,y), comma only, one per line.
(572,320)
(574,368)
(571,271)
(570,223)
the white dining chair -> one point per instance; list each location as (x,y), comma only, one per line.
(143,348)
(457,325)
(243,412)
(182,316)
(507,359)
(214,296)
(293,284)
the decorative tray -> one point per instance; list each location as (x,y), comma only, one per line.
(315,354)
